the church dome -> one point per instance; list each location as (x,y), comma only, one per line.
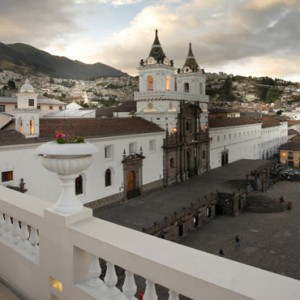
(27,87)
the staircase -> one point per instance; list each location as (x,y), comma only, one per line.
(260,203)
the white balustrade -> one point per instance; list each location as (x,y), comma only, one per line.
(94,273)
(150,292)
(111,279)
(129,287)
(8,228)
(2,221)
(24,237)
(34,240)
(16,232)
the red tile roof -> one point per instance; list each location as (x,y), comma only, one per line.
(84,127)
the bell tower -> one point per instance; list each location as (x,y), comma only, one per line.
(26,113)
(155,101)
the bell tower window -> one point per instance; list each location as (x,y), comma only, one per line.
(168,83)
(150,83)
(30,102)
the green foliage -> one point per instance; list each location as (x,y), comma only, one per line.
(68,83)
(11,84)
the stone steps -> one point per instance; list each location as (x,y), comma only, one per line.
(262,204)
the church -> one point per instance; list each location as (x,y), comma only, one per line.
(175,100)
(164,141)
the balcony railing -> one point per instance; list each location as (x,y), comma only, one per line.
(54,252)
(46,255)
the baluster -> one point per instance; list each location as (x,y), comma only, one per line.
(150,292)
(34,240)
(7,228)
(2,222)
(24,236)
(173,295)
(129,286)
(16,232)
(94,273)
(111,279)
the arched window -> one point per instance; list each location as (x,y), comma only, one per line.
(108,177)
(31,126)
(79,185)
(168,83)
(150,83)
(186,87)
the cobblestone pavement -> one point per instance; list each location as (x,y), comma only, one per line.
(270,241)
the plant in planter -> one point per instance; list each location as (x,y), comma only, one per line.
(67,157)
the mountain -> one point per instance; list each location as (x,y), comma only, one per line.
(22,58)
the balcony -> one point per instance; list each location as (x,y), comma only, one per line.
(46,254)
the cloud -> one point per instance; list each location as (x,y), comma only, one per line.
(36,22)
(223,33)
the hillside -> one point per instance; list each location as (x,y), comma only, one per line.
(22,58)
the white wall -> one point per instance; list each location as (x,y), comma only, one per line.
(242,142)
(44,184)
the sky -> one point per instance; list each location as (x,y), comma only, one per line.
(240,37)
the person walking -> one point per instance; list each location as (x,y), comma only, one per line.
(221,252)
(237,241)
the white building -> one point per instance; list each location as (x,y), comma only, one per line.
(235,137)
(130,158)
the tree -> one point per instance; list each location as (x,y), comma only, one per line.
(11,84)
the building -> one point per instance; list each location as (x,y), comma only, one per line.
(129,162)
(237,136)
(290,154)
(177,103)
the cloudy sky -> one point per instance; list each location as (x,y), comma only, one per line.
(246,37)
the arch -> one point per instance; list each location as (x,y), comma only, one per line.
(150,83)
(186,87)
(32,129)
(108,177)
(168,83)
(79,185)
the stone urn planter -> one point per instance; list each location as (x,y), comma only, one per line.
(67,161)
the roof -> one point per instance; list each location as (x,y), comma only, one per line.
(50,101)
(86,128)
(226,122)
(294,146)
(269,122)
(127,106)
(156,51)
(292,132)
(293,122)
(191,61)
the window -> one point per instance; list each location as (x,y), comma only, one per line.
(172,162)
(152,146)
(150,83)
(79,185)
(201,88)
(31,126)
(188,125)
(108,152)
(50,107)
(7,176)
(30,102)
(108,177)
(2,108)
(203,154)
(290,155)
(218,138)
(186,87)
(168,83)
(38,107)
(132,148)
(60,107)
